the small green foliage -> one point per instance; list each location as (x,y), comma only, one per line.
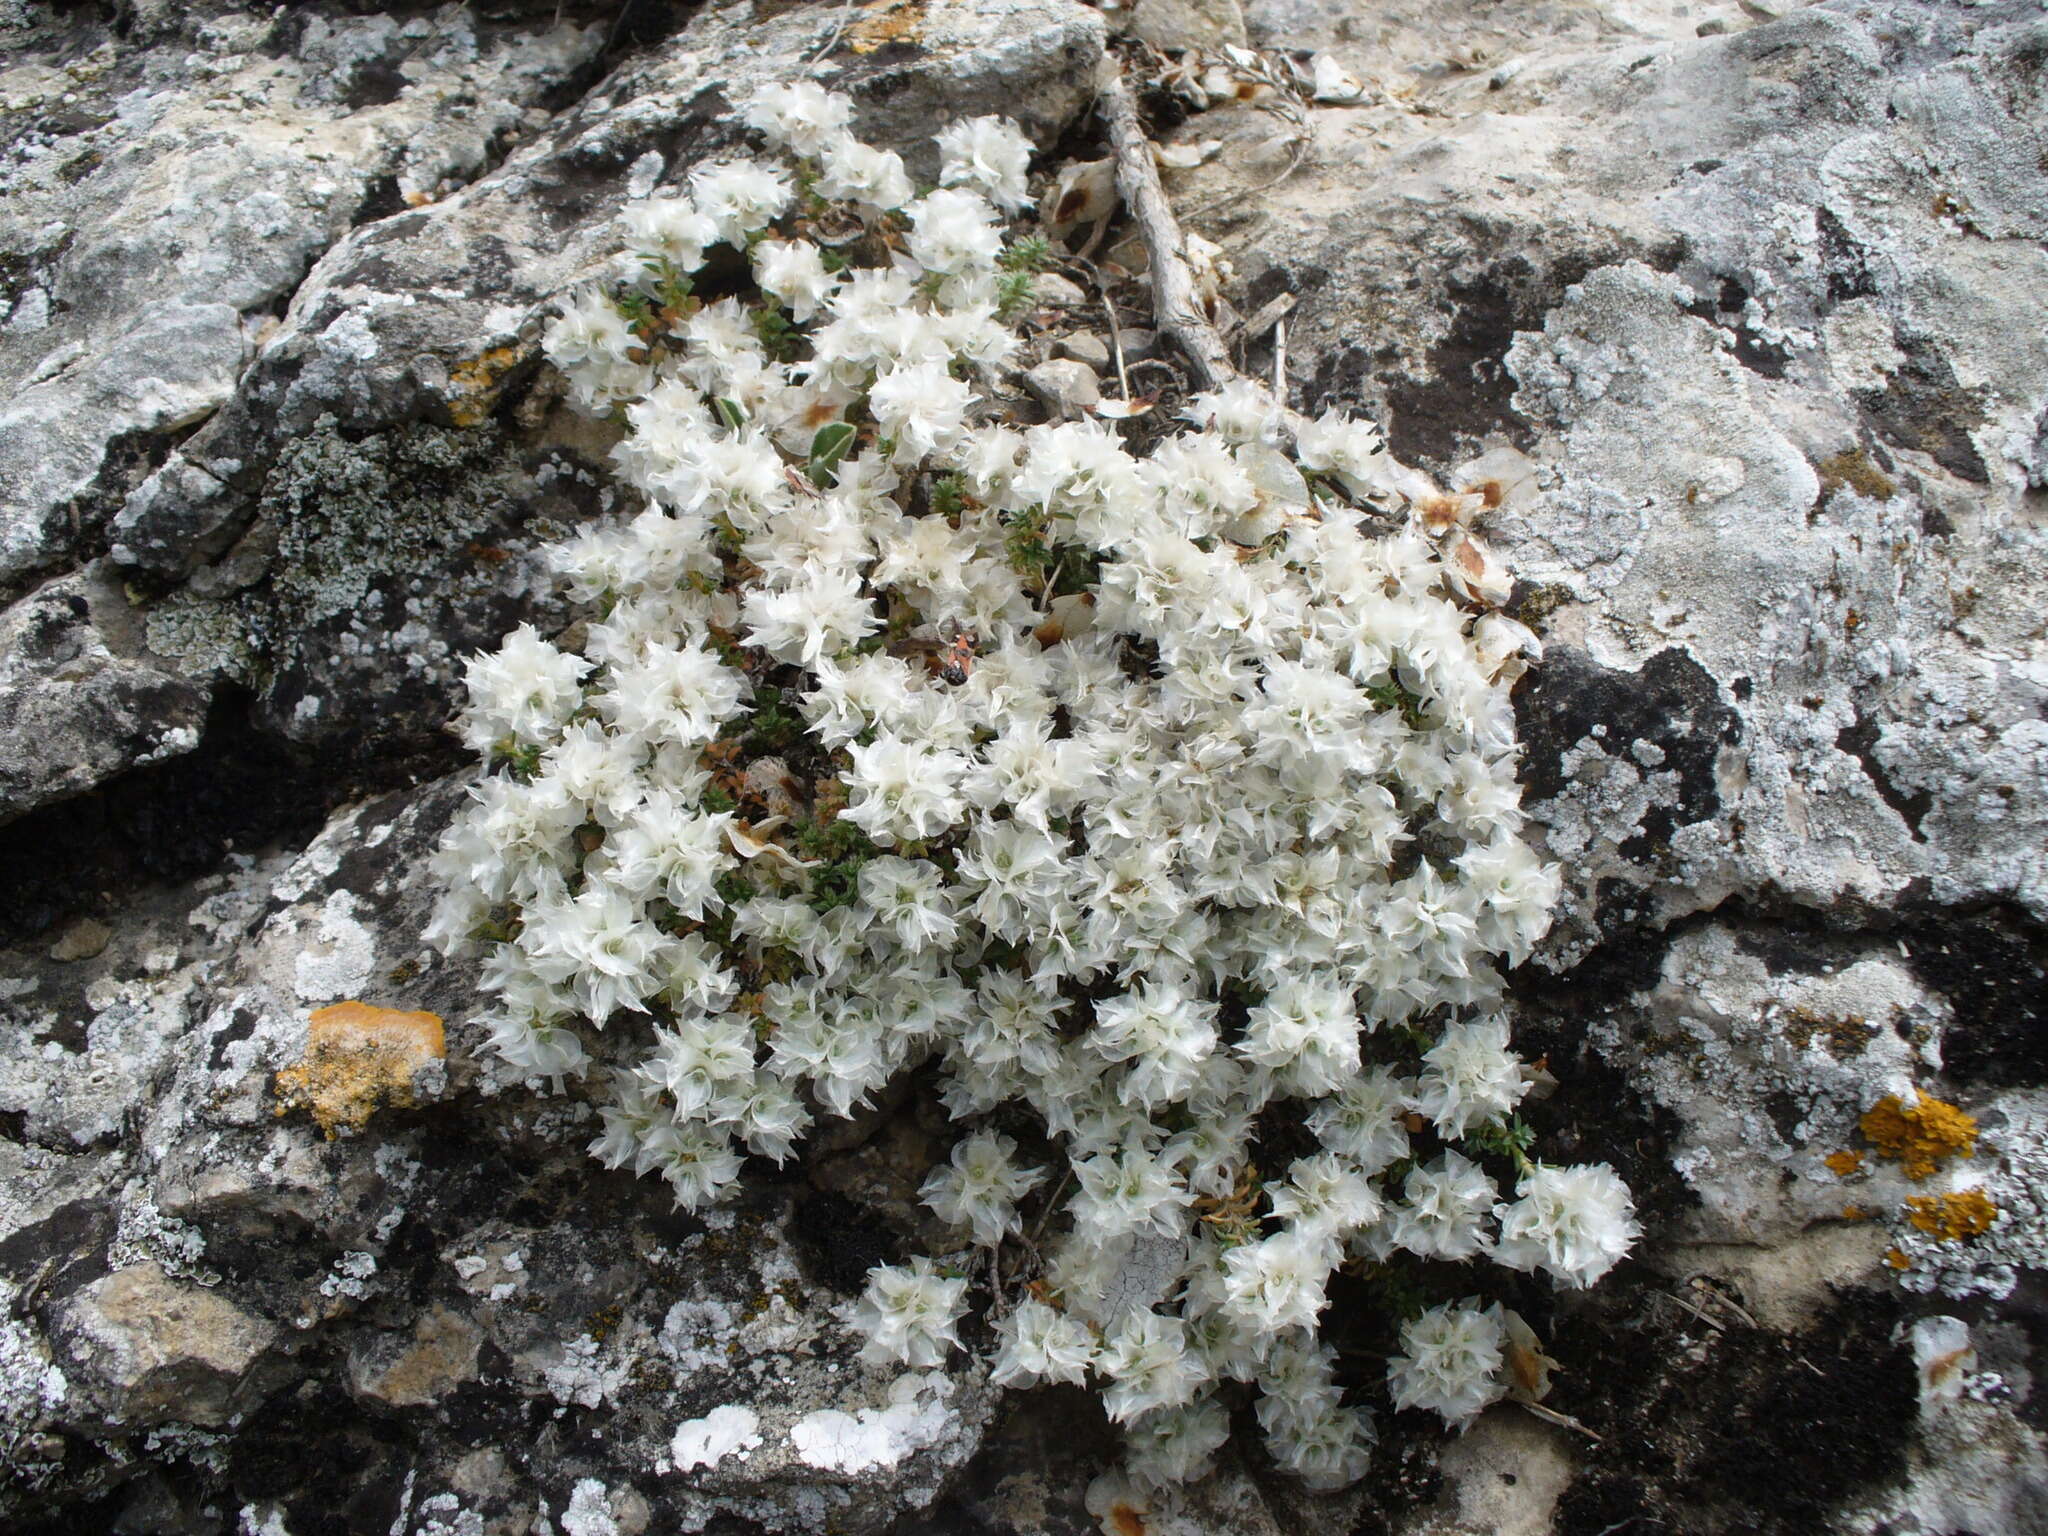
(638,310)
(1391,695)
(779,334)
(731,412)
(523,761)
(672,288)
(949,495)
(1020,263)
(717,801)
(1395,1291)
(844,848)
(833,840)
(1510,1138)
(1027,548)
(773,726)
(734,888)
(1027,253)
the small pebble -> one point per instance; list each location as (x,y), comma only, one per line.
(1064,387)
(1057,292)
(81,941)
(1084,347)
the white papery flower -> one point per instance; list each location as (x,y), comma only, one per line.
(739,196)
(953,232)
(1450,1362)
(1325,1446)
(1041,1343)
(820,614)
(854,172)
(909,1313)
(1576,1222)
(1146,1365)
(794,272)
(920,407)
(1164,1034)
(1447,1203)
(910,897)
(1176,1445)
(903,790)
(980,1186)
(1277,1284)
(798,115)
(669,228)
(1470,1077)
(989,155)
(524,692)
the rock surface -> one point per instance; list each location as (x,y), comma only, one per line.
(1733,296)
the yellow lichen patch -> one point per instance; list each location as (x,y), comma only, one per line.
(1842,1164)
(1921,1137)
(473,385)
(358,1058)
(1953,1217)
(1897,1259)
(1854,1213)
(893,21)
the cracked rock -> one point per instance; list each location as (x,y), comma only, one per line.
(154,1351)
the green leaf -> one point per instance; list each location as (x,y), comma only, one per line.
(729,412)
(832,443)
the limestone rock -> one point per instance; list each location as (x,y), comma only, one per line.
(1782,248)
(81,698)
(1741,288)
(161,200)
(1065,387)
(416,1369)
(1175,26)
(156,1351)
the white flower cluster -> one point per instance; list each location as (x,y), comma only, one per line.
(1165,798)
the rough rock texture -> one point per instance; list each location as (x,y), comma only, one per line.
(1754,288)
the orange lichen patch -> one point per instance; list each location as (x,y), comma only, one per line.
(1897,1259)
(1842,1164)
(893,21)
(1919,1138)
(358,1058)
(1954,1217)
(1854,1213)
(473,385)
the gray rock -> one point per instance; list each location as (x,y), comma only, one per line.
(1744,301)
(1175,26)
(414,1369)
(160,200)
(1734,294)
(1056,290)
(1084,347)
(155,1351)
(1065,388)
(81,697)
(437,312)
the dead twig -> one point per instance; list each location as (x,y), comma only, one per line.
(1696,1310)
(1562,1420)
(1176,306)
(838,31)
(1174,300)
